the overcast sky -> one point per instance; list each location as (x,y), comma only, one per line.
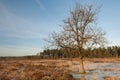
(24,24)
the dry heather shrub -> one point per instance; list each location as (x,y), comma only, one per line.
(37,75)
(46,78)
(30,71)
(110,78)
(4,77)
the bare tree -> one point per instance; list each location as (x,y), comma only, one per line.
(79,31)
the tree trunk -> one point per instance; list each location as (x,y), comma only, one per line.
(82,70)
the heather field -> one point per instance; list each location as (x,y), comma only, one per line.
(59,69)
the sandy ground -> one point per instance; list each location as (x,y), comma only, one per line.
(60,69)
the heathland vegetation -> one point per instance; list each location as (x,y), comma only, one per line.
(79,41)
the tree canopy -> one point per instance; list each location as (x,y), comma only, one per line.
(79,30)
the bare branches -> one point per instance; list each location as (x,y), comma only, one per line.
(78,30)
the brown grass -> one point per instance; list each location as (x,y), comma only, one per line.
(44,69)
(34,70)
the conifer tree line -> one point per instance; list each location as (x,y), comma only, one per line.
(113,51)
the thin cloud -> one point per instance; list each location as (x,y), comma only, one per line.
(18,50)
(12,25)
(41,6)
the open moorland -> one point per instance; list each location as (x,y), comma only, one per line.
(59,69)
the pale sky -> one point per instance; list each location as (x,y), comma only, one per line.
(24,24)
